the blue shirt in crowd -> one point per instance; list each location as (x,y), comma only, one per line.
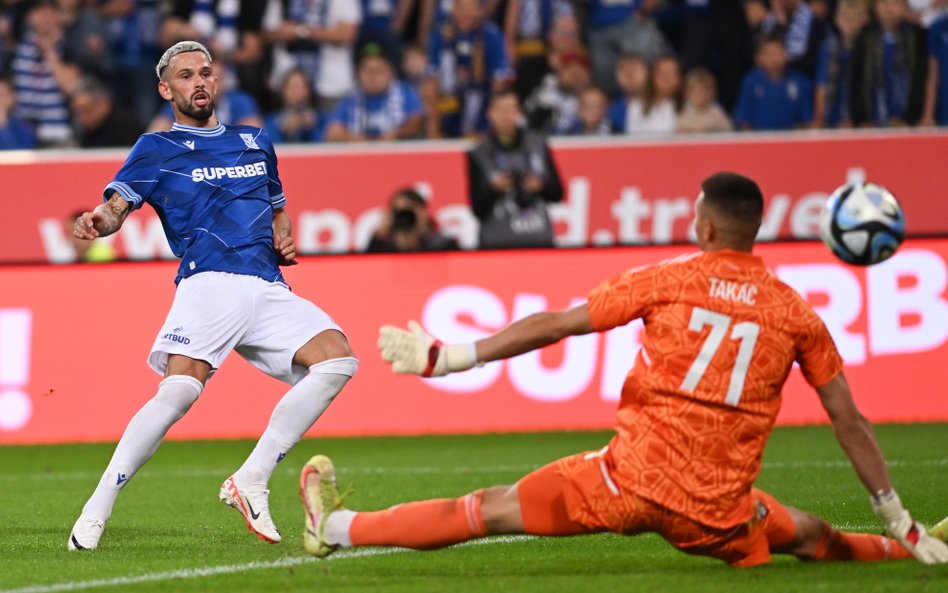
(16,135)
(602,13)
(837,105)
(378,15)
(938,49)
(466,64)
(767,104)
(376,115)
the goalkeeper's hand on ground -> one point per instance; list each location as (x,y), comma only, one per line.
(418,353)
(910,533)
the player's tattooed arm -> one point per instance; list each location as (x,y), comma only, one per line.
(104,220)
(283,238)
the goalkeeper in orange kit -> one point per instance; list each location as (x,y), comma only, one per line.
(721,334)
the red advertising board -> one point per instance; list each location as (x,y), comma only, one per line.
(74,339)
(618,191)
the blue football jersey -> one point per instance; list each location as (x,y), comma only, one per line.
(214,190)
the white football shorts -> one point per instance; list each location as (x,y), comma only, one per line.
(216,312)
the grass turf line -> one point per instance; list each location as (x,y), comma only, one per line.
(169,532)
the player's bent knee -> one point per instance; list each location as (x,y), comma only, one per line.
(324,346)
(179,392)
(500,507)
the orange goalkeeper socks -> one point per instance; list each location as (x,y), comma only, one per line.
(421,525)
(860,547)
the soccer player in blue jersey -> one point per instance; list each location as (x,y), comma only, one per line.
(218,194)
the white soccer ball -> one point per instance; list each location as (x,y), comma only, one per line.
(862,223)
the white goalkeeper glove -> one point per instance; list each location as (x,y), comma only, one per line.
(418,353)
(910,533)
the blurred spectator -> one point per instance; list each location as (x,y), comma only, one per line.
(86,38)
(822,9)
(231,30)
(831,101)
(409,226)
(617,27)
(432,15)
(296,119)
(553,107)
(632,74)
(773,97)
(99,121)
(803,32)
(319,36)
(134,27)
(889,69)
(43,78)
(591,118)
(232,105)
(414,67)
(661,102)
(512,178)
(936,104)
(435,13)
(466,59)
(380,108)
(93,251)
(15,134)
(715,36)
(564,38)
(527,28)
(383,22)
(701,113)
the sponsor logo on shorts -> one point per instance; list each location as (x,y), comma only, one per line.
(176,338)
(238,172)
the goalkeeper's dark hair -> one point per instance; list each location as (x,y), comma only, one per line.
(735,197)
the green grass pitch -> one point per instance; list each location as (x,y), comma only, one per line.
(169,532)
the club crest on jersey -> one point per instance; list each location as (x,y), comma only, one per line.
(249,141)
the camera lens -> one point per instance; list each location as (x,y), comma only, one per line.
(404,220)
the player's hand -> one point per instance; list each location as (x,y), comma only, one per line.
(900,526)
(417,353)
(286,251)
(84,228)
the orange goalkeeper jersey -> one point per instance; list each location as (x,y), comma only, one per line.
(721,335)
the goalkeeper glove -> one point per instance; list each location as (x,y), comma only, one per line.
(415,352)
(900,526)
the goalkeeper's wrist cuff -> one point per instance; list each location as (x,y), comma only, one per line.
(887,506)
(460,357)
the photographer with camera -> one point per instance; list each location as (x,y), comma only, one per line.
(408,226)
(512,178)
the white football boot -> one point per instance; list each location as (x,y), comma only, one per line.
(85,534)
(252,501)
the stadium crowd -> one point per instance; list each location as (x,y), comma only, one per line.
(81,72)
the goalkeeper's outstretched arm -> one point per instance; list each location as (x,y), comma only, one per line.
(858,440)
(534,332)
(415,352)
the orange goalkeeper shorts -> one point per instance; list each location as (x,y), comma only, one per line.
(575,495)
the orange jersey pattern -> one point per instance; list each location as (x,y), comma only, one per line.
(721,335)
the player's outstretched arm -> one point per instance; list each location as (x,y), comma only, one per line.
(283,241)
(415,352)
(858,440)
(104,220)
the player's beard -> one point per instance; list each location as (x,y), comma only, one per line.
(201,114)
